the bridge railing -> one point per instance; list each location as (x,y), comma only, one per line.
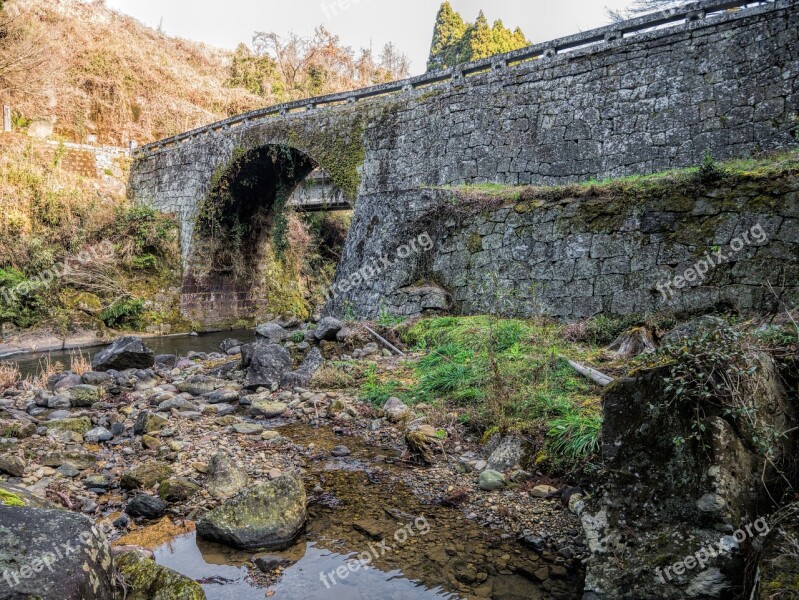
(690,13)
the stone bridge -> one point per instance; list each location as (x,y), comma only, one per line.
(651,94)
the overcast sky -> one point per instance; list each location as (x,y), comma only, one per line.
(360,23)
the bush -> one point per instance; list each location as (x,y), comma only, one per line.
(122,313)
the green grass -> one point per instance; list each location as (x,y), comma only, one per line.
(507,375)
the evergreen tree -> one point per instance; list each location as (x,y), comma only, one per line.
(457,42)
(447,38)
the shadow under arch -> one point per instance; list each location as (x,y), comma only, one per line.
(242,217)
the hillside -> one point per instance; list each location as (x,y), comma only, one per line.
(106,74)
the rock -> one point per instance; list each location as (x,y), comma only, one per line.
(692,329)
(144,579)
(83,395)
(96,378)
(248,428)
(327,329)
(145,476)
(272,332)
(491,480)
(148,422)
(480,465)
(28,535)
(59,401)
(521,476)
(340,451)
(270,436)
(150,442)
(97,435)
(63,381)
(77,458)
(270,516)
(506,455)
(266,408)
(77,424)
(225,479)
(167,361)
(223,396)
(396,410)
(302,376)
(12,465)
(177,489)
(229,344)
(199,385)
(177,404)
(125,353)
(100,482)
(67,470)
(543,491)
(146,506)
(268,364)
(267,563)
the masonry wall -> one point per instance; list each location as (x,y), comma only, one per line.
(579,251)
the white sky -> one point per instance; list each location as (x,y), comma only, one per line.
(360,23)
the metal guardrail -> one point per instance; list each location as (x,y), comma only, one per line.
(688,13)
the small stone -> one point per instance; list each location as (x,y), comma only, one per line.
(248,428)
(542,491)
(150,442)
(491,480)
(146,506)
(98,434)
(340,451)
(177,489)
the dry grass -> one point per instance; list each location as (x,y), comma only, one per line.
(47,368)
(9,375)
(80,363)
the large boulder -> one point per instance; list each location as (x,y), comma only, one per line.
(302,376)
(270,516)
(267,365)
(225,478)
(272,332)
(125,353)
(144,579)
(327,329)
(52,555)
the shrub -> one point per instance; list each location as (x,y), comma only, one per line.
(125,312)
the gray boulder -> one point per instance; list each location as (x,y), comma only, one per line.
(506,455)
(125,353)
(491,480)
(327,329)
(302,376)
(225,479)
(271,332)
(270,516)
(72,556)
(268,364)
(396,410)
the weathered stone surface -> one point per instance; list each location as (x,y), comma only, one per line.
(396,410)
(269,516)
(506,455)
(491,480)
(225,479)
(28,535)
(12,465)
(148,422)
(144,579)
(272,333)
(146,476)
(125,353)
(177,489)
(302,376)
(146,506)
(264,407)
(83,395)
(327,329)
(268,364)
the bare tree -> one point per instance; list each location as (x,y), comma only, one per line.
(640,7)
(22,53)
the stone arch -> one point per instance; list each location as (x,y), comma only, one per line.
(243,210)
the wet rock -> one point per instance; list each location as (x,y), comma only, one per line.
(98,434)
(327,329)
(272,332)
(148,422)
(270,516)
(396,410)
(28,535)
(146,476)
(177,489)
(491,480)
(267,563)
(146,506)
(144,579)
(268,364)
(12,465)
(125,353)
(506,455)
(225,478)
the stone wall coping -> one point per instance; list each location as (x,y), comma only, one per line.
(662,23)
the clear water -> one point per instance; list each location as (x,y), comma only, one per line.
(31,364)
